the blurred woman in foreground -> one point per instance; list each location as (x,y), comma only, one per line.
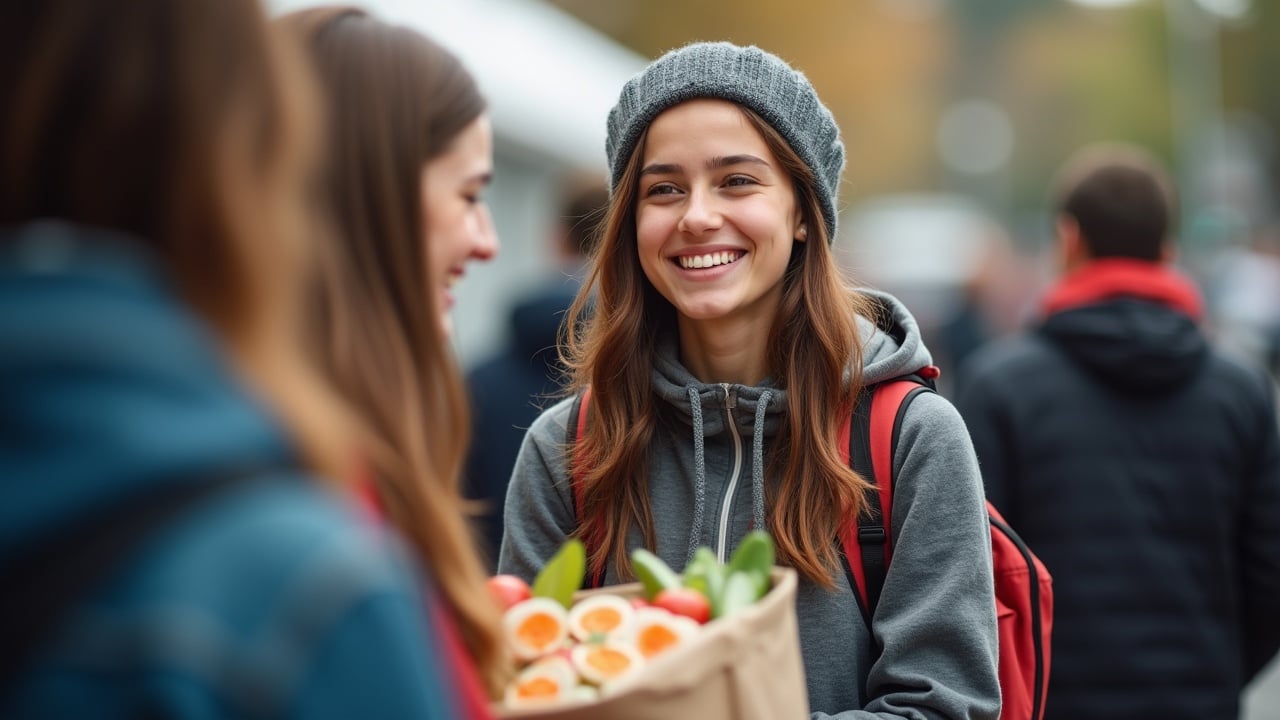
(411,153)
(165,547)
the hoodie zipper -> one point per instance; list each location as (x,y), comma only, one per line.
(730,402)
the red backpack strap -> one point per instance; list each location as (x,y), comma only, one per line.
(868,441)
(575,428)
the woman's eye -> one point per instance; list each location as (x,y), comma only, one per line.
(737,180)
(661,189)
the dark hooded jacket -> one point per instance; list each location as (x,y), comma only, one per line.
(268,598)
(1142,467)
(508,391)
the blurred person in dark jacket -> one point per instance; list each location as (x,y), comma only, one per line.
(1140,463)
(509,389)
(167,546)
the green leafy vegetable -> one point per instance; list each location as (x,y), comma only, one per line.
(654,574)
(754,556)
(562,576)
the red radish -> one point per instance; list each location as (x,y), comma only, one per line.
(507,590)
(684,601)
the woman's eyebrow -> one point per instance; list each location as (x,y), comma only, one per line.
(715,163)
(661,169)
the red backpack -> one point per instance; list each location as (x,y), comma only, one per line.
(1024,590)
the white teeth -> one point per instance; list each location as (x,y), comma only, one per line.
(693,262)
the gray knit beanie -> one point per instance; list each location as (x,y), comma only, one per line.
(749,76)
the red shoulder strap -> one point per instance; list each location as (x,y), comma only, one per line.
(849,530)
(886,403)
(579,425)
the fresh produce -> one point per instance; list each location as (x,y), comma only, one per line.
(754,556)
(599,616)
(740,591)
(562,575)
(655,631)
(654,574)
(684,601)
(706,575)
(507,590)
(536,627)
(607,661)
(575,651)
(548,681)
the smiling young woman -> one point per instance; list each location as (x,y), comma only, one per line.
(410,151)
(716,222)
(723,349)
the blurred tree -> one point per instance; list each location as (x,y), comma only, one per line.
(1065,74)
(881,71)
(1251,58)
(1071,77)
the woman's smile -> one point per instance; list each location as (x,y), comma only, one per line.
(709,260)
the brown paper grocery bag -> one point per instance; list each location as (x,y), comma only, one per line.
(743,667)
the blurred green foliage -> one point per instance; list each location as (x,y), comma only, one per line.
(1065,74)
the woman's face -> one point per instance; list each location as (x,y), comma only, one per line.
(716,215)
(458,226)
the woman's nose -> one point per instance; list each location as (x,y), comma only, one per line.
(701,214)
(485,239)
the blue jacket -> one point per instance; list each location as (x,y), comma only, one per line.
(267,600)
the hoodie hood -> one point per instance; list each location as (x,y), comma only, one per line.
(891,346)
(109,385)
(1131,324)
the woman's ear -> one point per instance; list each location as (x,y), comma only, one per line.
(802,232)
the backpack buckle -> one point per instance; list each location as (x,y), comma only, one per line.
(874,534)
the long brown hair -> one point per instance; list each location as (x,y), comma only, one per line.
(396,100)
(814,351)
(184,125)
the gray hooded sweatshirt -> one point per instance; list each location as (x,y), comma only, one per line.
(931,650)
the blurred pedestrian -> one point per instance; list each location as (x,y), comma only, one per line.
(510,389)
(165,547)
(1139,463)
(1244,298)
(411,152)
(723,352)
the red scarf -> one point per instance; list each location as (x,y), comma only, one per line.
(1121,277)
(471,694)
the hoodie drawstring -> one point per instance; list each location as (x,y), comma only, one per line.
(700,467)
(757,462)
(699,472)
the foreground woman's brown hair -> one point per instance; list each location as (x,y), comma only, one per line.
(396,100)
(175,553)
(202,157)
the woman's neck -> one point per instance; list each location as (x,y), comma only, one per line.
(724,351)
